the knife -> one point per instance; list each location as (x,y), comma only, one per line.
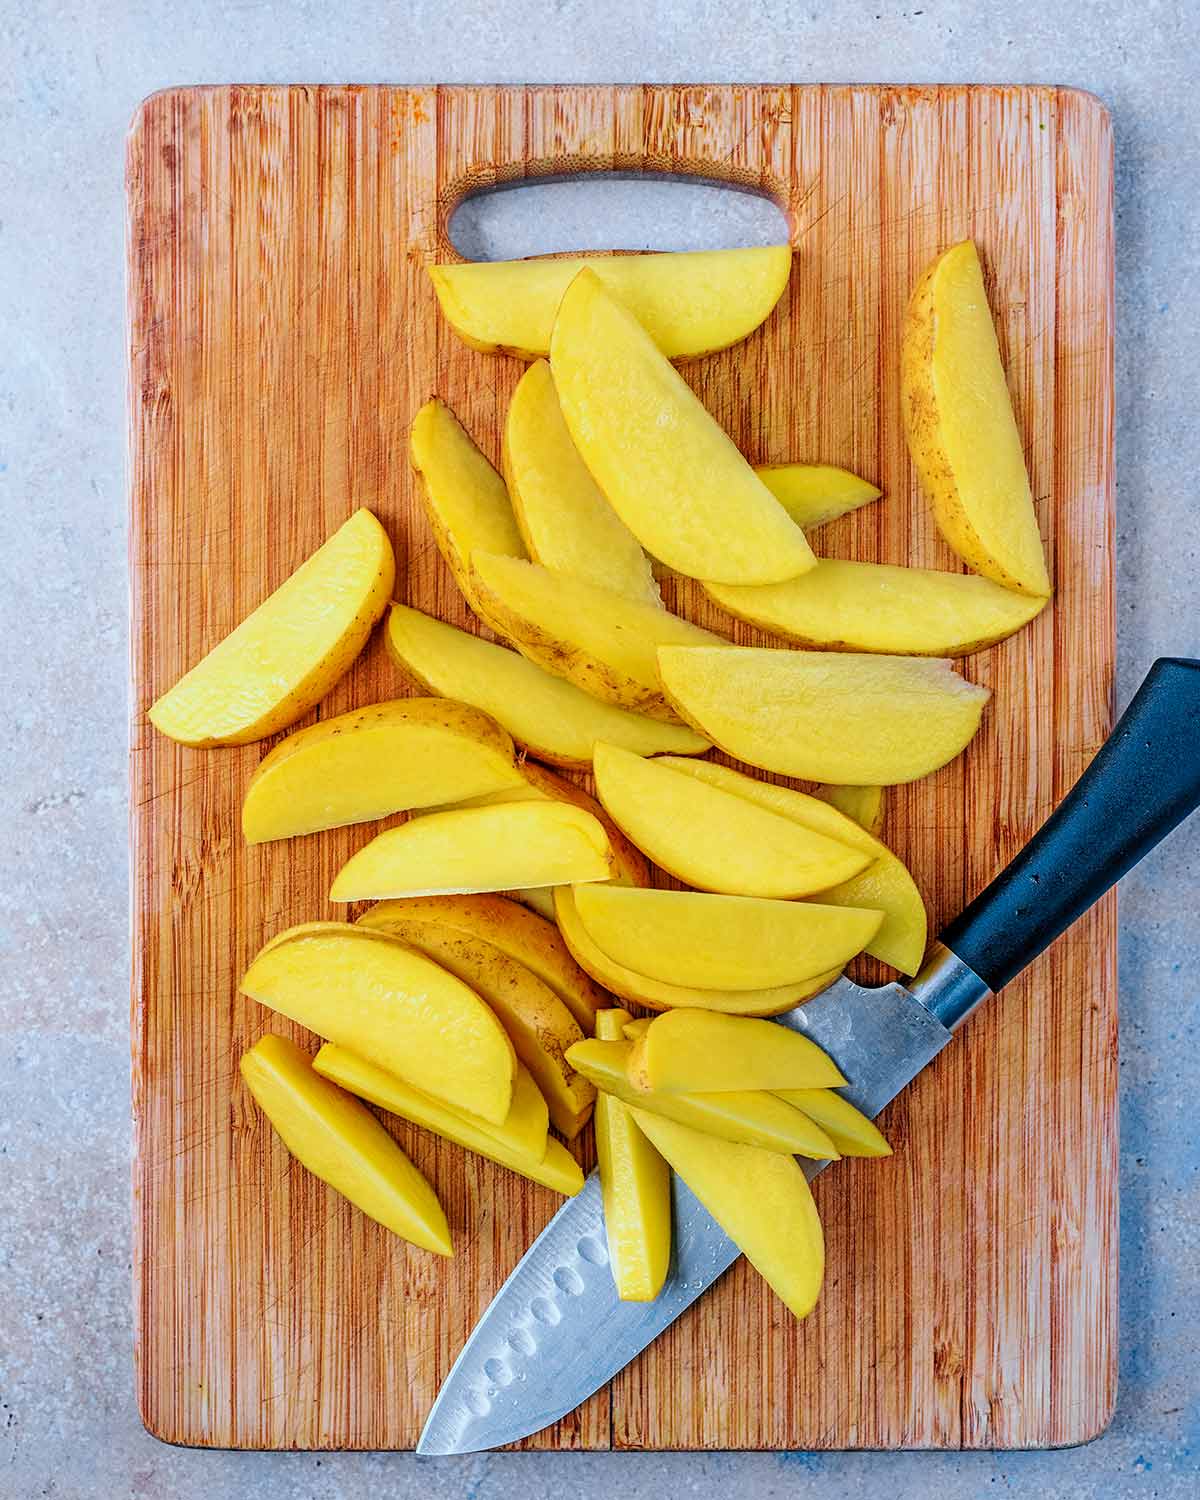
(556,1331)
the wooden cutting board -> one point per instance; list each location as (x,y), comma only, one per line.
(282,334)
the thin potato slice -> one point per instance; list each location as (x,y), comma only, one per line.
(865,804)
(697,1052)
(815,493)
(846,1125)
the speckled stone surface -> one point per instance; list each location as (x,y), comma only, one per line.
(73,74)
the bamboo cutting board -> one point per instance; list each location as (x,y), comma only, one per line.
(282,334)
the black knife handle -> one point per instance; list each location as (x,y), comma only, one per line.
(1144,780)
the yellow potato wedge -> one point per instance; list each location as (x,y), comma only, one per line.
(846,1125)
(531,940)
(671,473)
(340,1141)
(698,1052)
(691,303)
(375,996)
(656,994)
(539,899)
(602,642)
(749,1116)
(960,426)
(478,849)
(824,716)
(712,839)
(862,803)
(885,884)
(860,606)
(722,942)
(550,717)
(564,519)
(759,1198)
(285,656)
(635,1184)
(386,758)
(815,493)
(556,1168)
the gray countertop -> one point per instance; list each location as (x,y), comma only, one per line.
(75,71)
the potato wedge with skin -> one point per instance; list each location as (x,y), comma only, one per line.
(691,303)
(752,1116)
(862,803)
(635,1184)
(556,1168)
(962,433)
(658,995)
(671,473)
(846,1125)
(712,839)
(478,849)
(602,642)
(723,942)
(564,519)
(823,716)
(539,1025)
(286,655)
(340,1141)
(815,493)
(371,994)
(515,930)
(697,1052)
(885,884)
(366,764)
(550,717)
(861,606)
(759,1198)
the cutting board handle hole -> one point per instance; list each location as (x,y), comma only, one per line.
(610,211)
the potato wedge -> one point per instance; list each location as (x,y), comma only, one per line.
(960,426)
(539,899)
(556,1168)
(465,499)
(846,1125)
(713,839)
(340,1141)
(671,473)
(363,765)
(859,606)
(564,519)
(721,942)
(602,642)
(550,717)
(825,717)
(656,994)
(374,996)
(635,1184)
(698,1052)
(690,303)
(285,656)
(478,849)
(885,884)
(862,803)
(761,1200)
(749,1116)
(815,493)
(531,940)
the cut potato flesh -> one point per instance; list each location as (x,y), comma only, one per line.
(635,1184)
(885,884)
(712,839)
(691,303)
(539,899)
(516,844)
(656,994)
(565,521)
(285,657)
(371,994)
(556,1168)
(341,1142)
(847,1127)
(671,473)
(751,1117)
(387,758)
(815,493)
(961,430)
(602,642)
(721,942)
(759,1198)
(696,1051)
(824,716)
(862,803)
(549,716)
(859,606)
